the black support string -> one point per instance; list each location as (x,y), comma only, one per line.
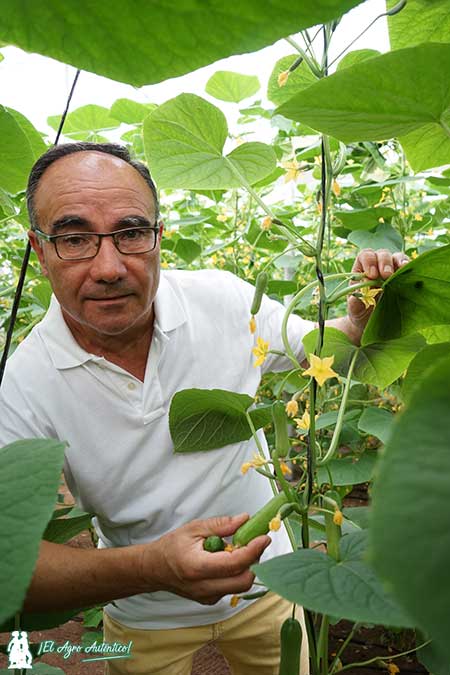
(26,256)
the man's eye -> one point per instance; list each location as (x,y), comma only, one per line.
(131,235)
(74,240)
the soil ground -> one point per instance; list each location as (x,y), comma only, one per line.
(366,644)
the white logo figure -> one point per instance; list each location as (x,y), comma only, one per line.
(19,651)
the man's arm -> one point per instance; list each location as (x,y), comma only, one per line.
(70,578)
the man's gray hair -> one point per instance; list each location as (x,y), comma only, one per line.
(65,149)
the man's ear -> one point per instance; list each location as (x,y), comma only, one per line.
(161,230)
(37,247)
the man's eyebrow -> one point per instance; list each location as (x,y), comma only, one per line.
(79,222)
(68,221)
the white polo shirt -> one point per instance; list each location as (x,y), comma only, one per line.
(120,463)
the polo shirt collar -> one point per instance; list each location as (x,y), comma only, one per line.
(64,350)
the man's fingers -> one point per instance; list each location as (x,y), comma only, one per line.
(400,259)
(223,526)
(232,563)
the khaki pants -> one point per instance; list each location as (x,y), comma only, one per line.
(249,640)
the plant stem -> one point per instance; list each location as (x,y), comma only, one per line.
(343,646)
(388,657)
(340,418)
(322,646)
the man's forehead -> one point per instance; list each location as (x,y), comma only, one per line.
(92,164)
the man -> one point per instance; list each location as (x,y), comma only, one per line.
(100,371)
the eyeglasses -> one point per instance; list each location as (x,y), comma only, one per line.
(85,245)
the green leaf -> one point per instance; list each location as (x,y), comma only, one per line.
(38,147)
(360,515)
(376,422)
(357,56)
(420,21)
(385,96)
(414,297)
(434,334)
(30,472)
(364,219)
(187,249)
(299,79)
(377,363)
(423,362)
(131,112)
(410,527)
(184,140)
(61,530)
(84,122)
(348,589)
(349,470)
(233,87)
(384,237)
(206,419)
(146,42)
(16,152)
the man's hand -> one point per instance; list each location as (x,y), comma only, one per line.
(186,569)
(378,264)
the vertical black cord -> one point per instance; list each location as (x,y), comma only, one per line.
(26,257)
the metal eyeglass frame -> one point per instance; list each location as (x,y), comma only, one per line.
(52,238)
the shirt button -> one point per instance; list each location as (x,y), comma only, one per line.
(131,386)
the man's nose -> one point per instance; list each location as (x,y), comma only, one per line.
(108,265)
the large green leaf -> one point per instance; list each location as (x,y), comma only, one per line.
(347,589)
(384,237)
(377,363)
(16,152)
(416,296)
(84,122)
(233,87)
(363,219)
(205,419)
(349,470)
(377,422)
(423,362)
(30,472)
(184,140)
(38,147)
(299,79)
(410,526)
(420,21)
(143,42)
(385,96)
(60,530)
(130,112)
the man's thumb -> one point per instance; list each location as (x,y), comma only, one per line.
(224,525)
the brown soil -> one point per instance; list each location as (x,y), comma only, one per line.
(366,644)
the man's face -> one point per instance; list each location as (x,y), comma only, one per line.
(111,294)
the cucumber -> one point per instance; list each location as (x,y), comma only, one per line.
(260,287)
(291,644)
(259,523)
(213,544)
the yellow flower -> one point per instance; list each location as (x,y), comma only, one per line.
(164,264)
(292,170)
(260,351)
(292,408)
(320,369)
(303,422)
(257,460)
(338,517)
(222,217)
(266,223)
(381,220)
(418,217)
(285,470)
(336,188)
(246,466)
(414,255)
(393,669)
(252,325)
(234,600)
(368,296)
(283,78)
(229,548)
(275,523)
